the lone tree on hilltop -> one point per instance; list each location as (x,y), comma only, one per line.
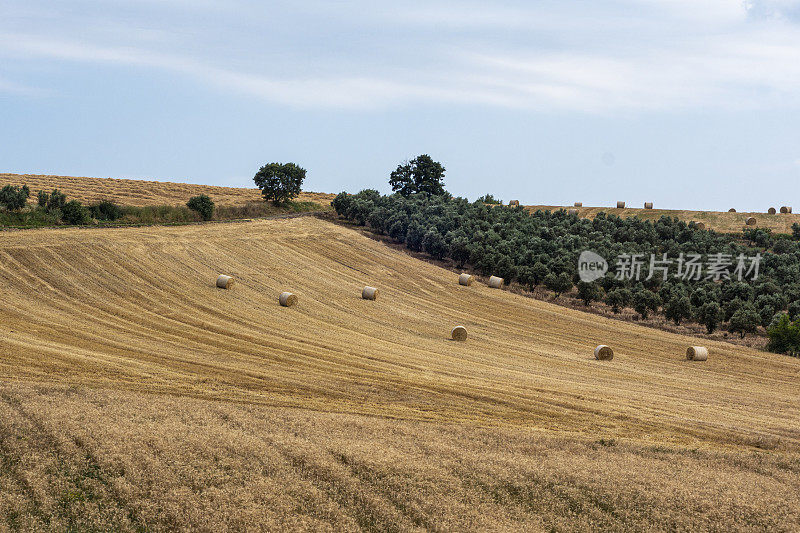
(420,175)
(280,182)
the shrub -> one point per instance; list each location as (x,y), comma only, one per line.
(710,314)
(105,210)
(14,198)
(745,320)
(74,213)
(589,292)
(280,182)
(559,284)
(678,308)
(203,205)
(645,301)
(784,335)
(42,198)
(56,201)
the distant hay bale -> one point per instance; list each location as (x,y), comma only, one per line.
(578,204)
(572,211)
(751,221)
(699,225)
(771,211)
(369,293)
(697,353)
(465,279)
(495,282)
(287,299)
(731,210)
(513,203)
(648,205)
(620,205)
(603,353)
(224,282)
(459,333)
(786,209)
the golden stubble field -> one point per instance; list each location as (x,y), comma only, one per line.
(142,192)
(137,396)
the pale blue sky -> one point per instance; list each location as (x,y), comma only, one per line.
(692,104)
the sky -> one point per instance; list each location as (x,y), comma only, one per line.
(690,104)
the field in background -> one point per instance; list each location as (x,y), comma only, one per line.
(723,222)
(135,393)
(144,193)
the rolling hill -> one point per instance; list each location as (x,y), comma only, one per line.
(137,396)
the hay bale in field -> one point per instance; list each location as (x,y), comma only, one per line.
(287,299)
(572,212)
(699,225)
(751,221)
(513,203)
(648,205)
(578,204)
(786,209)
(465,279)
(697,353)
(369,293)
(603,353)
(459,333)
(620,205)
(771,211)
(731,210)
(224,282)
(495,282)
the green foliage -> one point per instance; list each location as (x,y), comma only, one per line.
(14,198)
(784,335)
(589,292)
(489,199)
(74,213)
(421,175)
(678,308)
(745,320)
(710,315)
(280,182)
(645,301)
(56,201)
(42,198)
(559,284)
(105,210)
(203,205)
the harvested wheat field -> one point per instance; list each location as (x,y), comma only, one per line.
(727,222)
(144,193)
(138,396)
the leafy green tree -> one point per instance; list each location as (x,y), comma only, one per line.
(784,335)
(796,231)
(589,292)
(678,308)
(459,249)
(434,244)
(538,272)
(414,236)
(203,205)
(559,284)
(74,213)
(105,210)
(645,301)
(489,199)
(420,175)
(56,201)
(745,320)
(42,198)
(615,300)
(280,182)
(14,198)
(710,315)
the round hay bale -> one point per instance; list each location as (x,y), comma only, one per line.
(224,282)
(751,221)
(369,293)
(465,279)
(699,225)
(513,203)
(572,212)
(697,353)
(287,299)
(495,282)
(786,209)
(459,333)
(731,210)
(578,204)
(603,353)
(620,205)
(771,211)
(648,205)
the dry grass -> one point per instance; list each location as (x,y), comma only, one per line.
(142,397)
(715,220)
(145,193)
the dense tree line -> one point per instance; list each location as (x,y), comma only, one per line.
(542,248)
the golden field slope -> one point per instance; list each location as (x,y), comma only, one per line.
(143,193)
(723,222)
(136,395)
